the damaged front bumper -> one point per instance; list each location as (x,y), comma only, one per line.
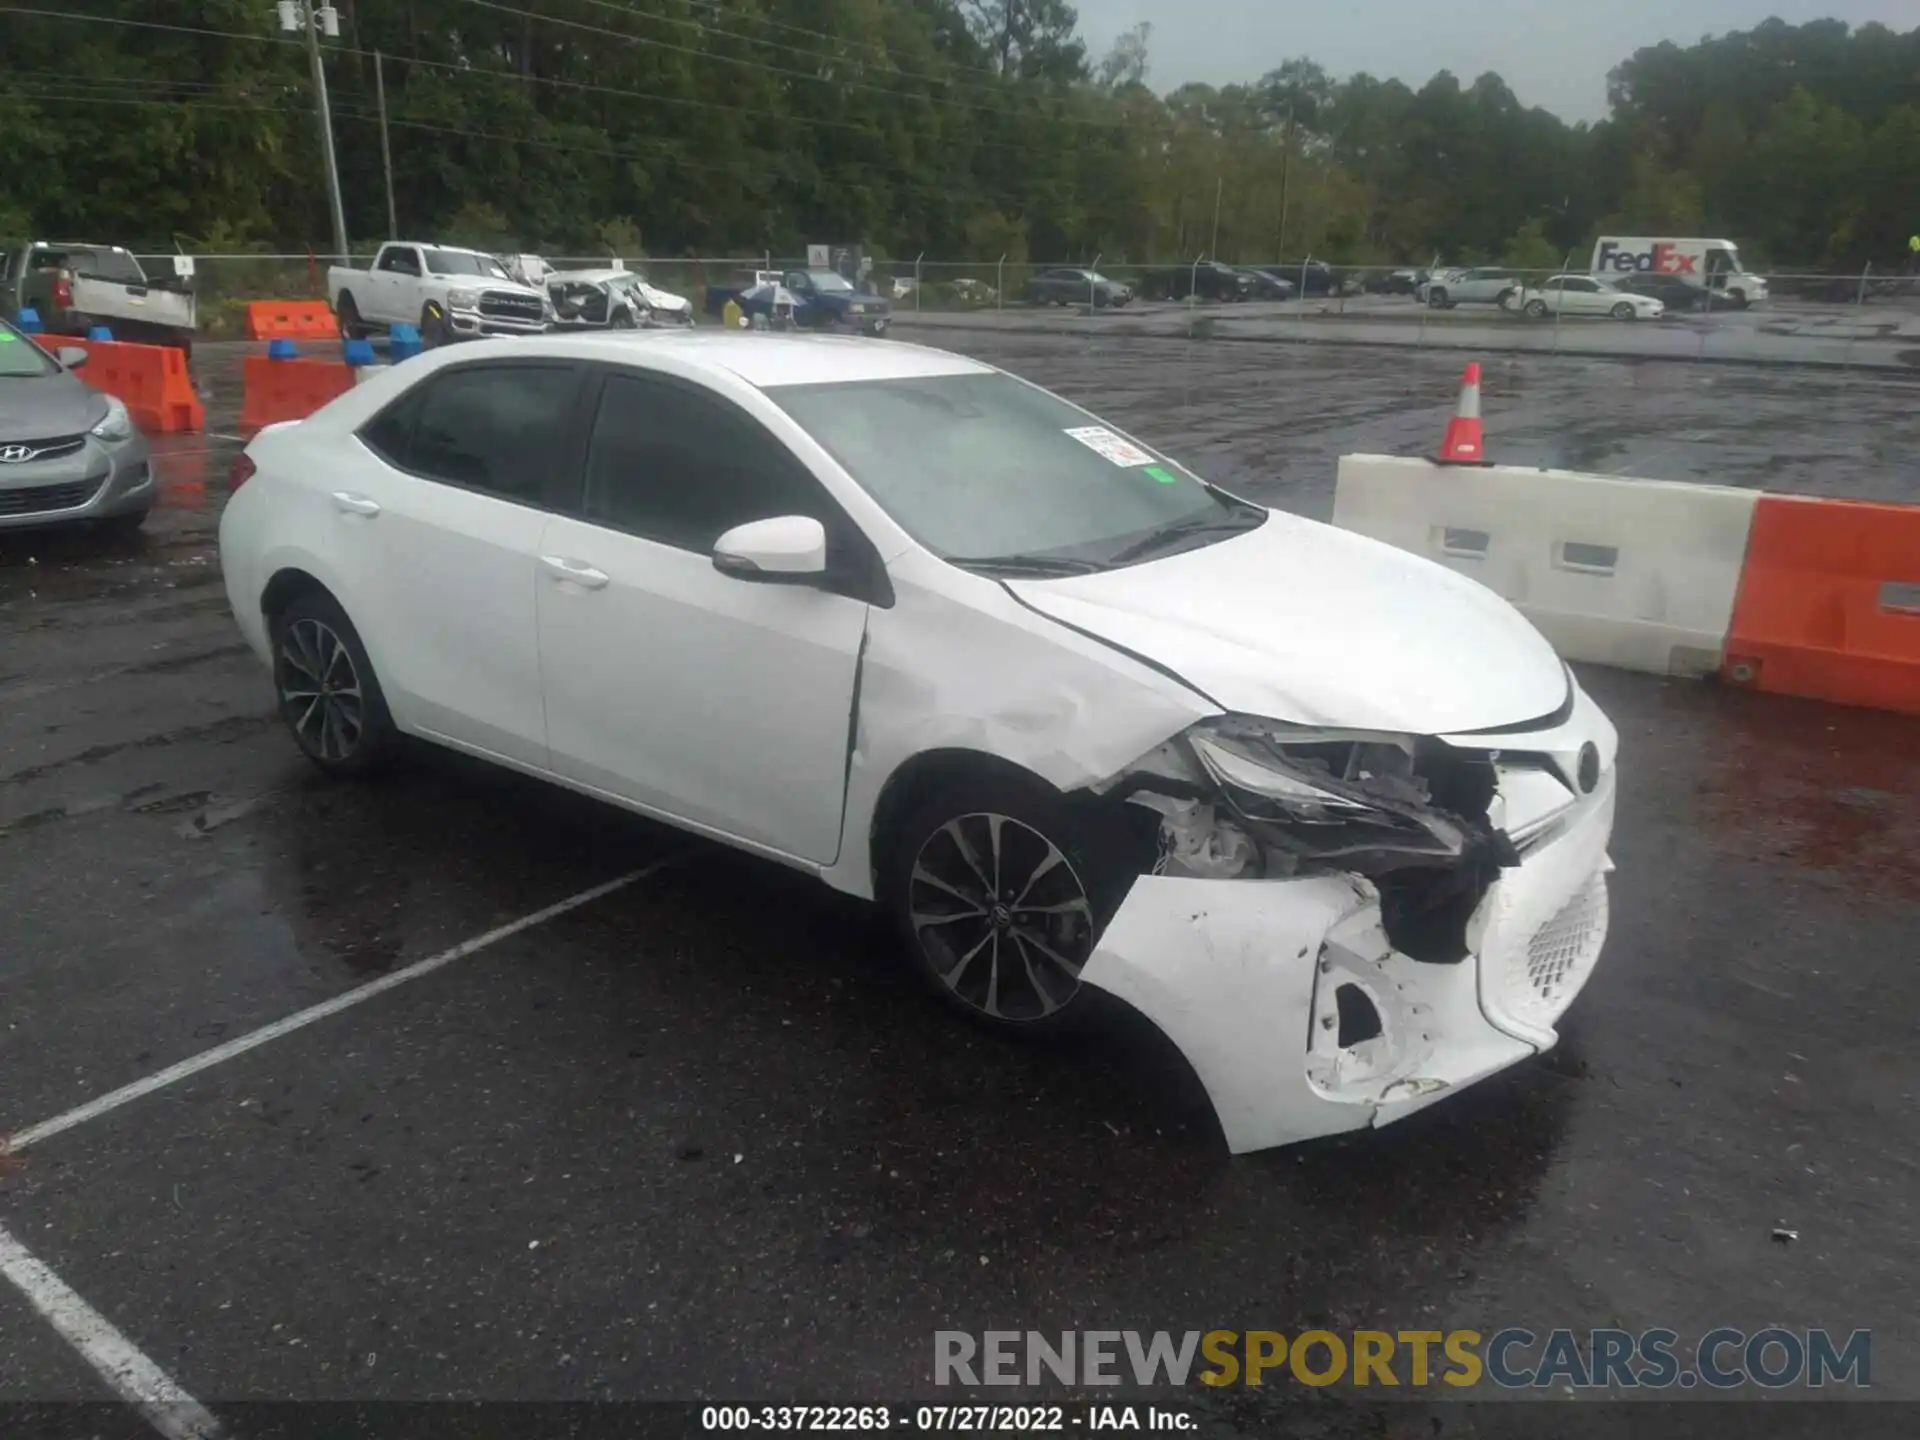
(1301,1019)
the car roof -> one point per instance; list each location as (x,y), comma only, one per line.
(589,276)
(762,361)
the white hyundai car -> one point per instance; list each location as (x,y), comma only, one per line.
(1333,817)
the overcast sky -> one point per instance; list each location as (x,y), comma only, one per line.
(1554,53)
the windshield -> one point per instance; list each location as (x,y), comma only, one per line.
(459,262)
(20,357)
(627,280)
(983,467)
(830,280)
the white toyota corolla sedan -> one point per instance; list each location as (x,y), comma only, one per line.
(1333,817)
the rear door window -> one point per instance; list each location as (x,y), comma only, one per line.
(500,429)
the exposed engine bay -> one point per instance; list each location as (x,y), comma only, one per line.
(1244,798)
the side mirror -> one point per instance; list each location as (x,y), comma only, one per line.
(71,356)
(786,549)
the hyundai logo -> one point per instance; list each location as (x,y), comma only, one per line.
(16,454)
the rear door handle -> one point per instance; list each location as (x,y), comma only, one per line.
(577,571)
(353,504)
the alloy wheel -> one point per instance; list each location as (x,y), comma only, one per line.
(320,693)
(1001,915)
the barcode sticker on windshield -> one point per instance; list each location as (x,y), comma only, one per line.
(1103,441)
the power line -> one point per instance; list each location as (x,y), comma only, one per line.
(801,50)
(145,24)
(633,39)
(891,175)
(783,115)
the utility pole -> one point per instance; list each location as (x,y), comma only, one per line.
(301,15)
(1219,183)
(386,155)
(1286,174)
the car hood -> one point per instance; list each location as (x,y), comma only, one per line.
(482,282)
(45,407)
(1301,622)
(662,299)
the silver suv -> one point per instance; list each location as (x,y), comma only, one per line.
(1484,285)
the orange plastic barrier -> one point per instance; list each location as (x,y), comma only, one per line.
(1829,603)
(291,320)
(276,390)
(151,380)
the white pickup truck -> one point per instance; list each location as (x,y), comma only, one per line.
(451,294)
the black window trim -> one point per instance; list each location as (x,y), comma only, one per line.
(863,577)
(564,481)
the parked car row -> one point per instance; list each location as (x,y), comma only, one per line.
(452,293)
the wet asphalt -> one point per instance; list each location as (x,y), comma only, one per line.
(705,1139)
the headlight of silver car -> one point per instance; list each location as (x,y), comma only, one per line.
(116,424)
(458,300)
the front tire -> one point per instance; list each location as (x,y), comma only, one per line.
(1623,311)
(125,526)
(1436,299)
(328,694)
(998,888)
(433,326)
(1537,309)
(349,316)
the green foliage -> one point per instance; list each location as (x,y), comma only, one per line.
(954,128)
(1530,249)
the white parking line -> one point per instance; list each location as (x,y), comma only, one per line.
(134,1377)
(239,1045)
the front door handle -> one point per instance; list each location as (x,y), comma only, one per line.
(577,571)
(352,504)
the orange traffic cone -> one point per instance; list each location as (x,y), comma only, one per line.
(1463,443)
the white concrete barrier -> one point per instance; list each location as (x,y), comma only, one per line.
(1635,573)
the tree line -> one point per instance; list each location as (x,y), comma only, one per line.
(958,128)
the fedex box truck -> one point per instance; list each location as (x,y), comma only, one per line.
(1710,265)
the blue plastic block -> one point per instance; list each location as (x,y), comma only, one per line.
(100,332)
(403,342)
(29,320)
(281,350)
(358,352)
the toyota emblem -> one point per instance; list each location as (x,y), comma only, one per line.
(15,454)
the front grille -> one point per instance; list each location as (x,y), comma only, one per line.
(1539,982)
(39,450)
(505,305)
(41,499)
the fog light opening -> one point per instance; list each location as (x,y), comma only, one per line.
(1359,1021)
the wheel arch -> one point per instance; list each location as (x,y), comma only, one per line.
(921,775)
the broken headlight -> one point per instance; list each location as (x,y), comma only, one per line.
(1242,796)
(1318,795)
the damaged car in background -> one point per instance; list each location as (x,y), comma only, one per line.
(1333,817)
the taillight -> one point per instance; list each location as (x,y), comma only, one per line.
(241,471)
(62,291)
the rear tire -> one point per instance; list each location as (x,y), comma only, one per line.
(1437,299)
(998,887)
(1537,309)
(349,317)
(327,692)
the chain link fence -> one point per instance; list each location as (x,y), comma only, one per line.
(1802,314)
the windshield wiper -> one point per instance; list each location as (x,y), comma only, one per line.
(1033,566)
(1232,524)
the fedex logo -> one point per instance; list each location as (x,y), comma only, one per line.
(1662,259)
